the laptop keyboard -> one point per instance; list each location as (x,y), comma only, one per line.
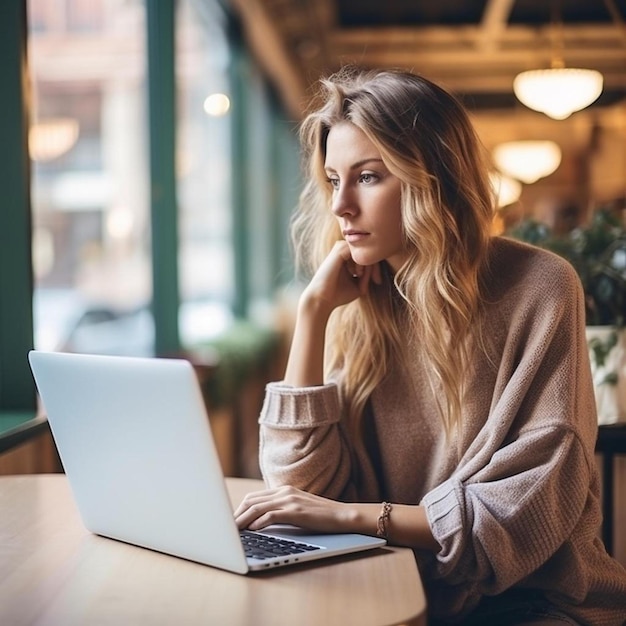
(263,547)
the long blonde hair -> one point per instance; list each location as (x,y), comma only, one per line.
(426,139)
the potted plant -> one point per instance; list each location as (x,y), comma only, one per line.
(597,251)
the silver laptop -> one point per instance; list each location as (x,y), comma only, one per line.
(135,442)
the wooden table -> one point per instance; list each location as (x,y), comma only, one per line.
(53,571)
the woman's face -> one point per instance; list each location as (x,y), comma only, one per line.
(365,197)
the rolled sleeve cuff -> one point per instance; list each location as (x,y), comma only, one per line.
(445,513)
(300,407)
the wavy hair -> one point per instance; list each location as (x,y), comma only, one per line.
(426,140)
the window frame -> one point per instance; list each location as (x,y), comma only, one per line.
(16,280)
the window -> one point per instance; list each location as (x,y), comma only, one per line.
(89,188)
(101,263)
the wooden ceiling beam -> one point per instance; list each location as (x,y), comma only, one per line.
(429,36)
(459,57)
(474,60)
(297,42)
(276,59)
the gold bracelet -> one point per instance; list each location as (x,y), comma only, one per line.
(383,519)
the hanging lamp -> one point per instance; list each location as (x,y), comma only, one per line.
(527,160)
(558,91)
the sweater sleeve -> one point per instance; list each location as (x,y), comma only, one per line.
(499,526)
(301,440)
(519,492)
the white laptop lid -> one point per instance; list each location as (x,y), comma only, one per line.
(136,445)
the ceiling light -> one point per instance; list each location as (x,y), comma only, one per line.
(559,91)
(527,161)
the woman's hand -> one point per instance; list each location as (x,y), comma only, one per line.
(407,524)
(339,279)
(288,505)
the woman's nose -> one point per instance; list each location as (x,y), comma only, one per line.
(343,202)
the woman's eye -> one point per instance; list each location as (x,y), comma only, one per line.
(334,182)
(368,178)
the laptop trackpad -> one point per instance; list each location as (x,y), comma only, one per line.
(331,541)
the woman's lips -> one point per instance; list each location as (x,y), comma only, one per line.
(354,236)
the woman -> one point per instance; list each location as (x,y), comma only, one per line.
(438,390)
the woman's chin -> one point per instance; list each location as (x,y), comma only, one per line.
(364,259)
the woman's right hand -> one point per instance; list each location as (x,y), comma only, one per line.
(339,280)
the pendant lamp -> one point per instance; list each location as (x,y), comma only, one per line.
(527,160)
(559,91)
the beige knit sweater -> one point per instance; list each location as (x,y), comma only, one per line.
(513,500)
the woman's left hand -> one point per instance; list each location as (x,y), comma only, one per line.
(288,505)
